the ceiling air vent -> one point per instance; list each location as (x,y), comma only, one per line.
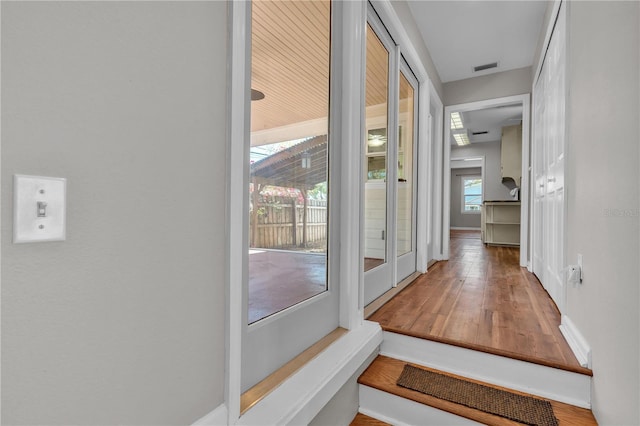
(480,133)
(485,67)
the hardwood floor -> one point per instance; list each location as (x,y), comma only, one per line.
(483,300)
(383,374)
(362,420)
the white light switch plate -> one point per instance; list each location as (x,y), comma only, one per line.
(28,225)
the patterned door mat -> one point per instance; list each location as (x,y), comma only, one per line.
(520,408)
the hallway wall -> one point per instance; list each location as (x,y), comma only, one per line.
(603,201)
(498,85)
(123,323)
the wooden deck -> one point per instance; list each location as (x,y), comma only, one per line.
(483,300)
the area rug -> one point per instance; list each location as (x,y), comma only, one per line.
(520,408)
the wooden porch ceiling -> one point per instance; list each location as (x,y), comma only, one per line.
(290,63)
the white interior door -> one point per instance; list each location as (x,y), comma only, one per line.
(390,171)
(549,156)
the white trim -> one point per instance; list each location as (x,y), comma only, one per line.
(576,341)
(239,17)
(524,190)
(436,189)
(464,228)
(217,417)
(548,382)
(462,195)
(354,15)
(422,199)
(299,399)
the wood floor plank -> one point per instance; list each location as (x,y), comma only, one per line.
(482,299)
(363,420)
(383,374)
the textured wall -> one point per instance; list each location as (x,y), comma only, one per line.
(123,323)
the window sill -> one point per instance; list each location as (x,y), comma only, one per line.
(300,397)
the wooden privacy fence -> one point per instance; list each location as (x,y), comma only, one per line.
(277,226)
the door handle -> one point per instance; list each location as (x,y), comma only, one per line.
(551,180)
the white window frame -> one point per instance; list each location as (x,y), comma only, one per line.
(463,201)
(362,335)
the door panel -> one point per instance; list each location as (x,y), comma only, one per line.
(548,168)
(407,175)
(379,149)
(290,296)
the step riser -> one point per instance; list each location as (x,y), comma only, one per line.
(547,382)
(400,411)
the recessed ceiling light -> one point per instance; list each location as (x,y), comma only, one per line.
(456,121)
(461,139)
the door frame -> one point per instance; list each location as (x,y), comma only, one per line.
(525,99)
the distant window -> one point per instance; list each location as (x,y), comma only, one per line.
(471,194)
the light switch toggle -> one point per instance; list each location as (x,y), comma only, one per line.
(42,209)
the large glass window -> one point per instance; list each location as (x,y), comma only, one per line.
(288,188)
(404,216)
(376,148)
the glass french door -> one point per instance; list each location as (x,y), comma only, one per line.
(389,164)
(291,295)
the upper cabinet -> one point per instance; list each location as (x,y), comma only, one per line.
(511,153)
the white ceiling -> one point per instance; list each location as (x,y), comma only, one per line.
(463,34)
(491,120)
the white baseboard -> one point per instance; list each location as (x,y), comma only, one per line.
(218,417)
(463,228)
(576,341)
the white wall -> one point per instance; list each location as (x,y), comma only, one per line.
(498,85)
(603,200)
(123,323)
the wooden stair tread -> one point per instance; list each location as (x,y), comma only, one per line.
(364,420)
(383,373)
